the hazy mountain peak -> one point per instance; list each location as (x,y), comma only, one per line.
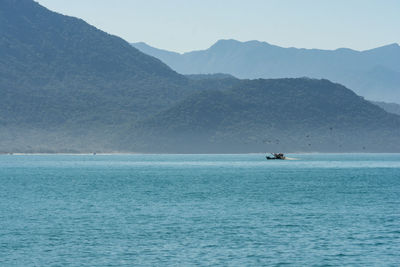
(224,44)
(347,50)
(231,43)
(227,41)
(394,47)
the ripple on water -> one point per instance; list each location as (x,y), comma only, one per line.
(124,210)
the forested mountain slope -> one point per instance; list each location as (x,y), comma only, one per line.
(275,115)
(66,86)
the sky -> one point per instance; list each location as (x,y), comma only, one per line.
(187,25)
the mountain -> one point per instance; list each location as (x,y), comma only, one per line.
(158,53)
(66,86)
(59,60)
(274,115)
(374,74)
(389,107)
(214,76)
(60,74)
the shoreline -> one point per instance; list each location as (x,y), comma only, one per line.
(144,153)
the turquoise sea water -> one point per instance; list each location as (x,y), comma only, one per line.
(207,210)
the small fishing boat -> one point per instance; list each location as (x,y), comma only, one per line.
(280,156)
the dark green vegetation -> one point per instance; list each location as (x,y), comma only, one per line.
(66,86)
(63,79)
(281,114)
(374,74)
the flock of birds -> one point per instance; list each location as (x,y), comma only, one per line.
(308,136)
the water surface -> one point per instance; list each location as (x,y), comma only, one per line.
(216,210)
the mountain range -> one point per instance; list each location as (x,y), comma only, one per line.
(67,86)
(373,74)
(389,107)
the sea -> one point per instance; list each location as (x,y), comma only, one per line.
(200,210)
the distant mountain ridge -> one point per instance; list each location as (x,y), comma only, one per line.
(374,73)
(389,107)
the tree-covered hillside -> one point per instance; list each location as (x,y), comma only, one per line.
(66,86)
(281,114)
(61,64)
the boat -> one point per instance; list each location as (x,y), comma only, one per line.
(280,156)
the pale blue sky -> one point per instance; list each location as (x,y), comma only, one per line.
(185,25)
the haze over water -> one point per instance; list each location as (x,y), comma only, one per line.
(218,210)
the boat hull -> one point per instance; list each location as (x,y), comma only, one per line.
(271,158)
